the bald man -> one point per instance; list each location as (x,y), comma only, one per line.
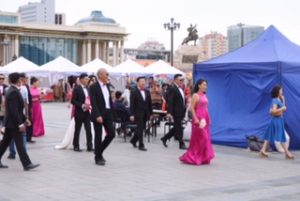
(102,114)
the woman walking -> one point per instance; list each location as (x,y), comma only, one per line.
(275,131)
(200,150)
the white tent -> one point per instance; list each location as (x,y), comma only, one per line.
(20,65)
(61,65)
(95,65)
(162,68)
(129,67)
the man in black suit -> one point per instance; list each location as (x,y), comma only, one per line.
(14,122)
(176,111)
(102,114)
(141,111)
(81,101)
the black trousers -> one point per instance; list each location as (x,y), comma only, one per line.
(176,131)
(86,120)
(29,129)
(13,133)
(100,145)
(139,131)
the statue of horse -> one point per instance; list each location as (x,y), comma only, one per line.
(193,35)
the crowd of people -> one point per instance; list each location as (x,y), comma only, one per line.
(95,105)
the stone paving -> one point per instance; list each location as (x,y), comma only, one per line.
(132,175)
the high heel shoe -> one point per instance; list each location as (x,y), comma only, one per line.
(263,154)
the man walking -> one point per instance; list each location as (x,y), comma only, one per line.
(81,101)
(176,111)
(141,110)
(14,122)
(102,114)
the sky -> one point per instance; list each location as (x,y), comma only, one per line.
(144,20)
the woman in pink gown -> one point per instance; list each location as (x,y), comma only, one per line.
(37,115)
(200,150)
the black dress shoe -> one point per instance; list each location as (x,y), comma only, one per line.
(11,156)
(182,146)
(30,141)
(77,149)
(31,166)
(3,166)
(164,141)
(142,149)
(90,149)
(133,144)
(100,162)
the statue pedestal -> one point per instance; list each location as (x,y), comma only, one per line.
(186,55)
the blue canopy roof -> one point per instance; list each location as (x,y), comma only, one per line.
(240,84)
(270,46)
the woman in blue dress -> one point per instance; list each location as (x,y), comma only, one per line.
(275,131)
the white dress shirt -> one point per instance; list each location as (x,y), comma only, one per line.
(181,92)
(105,93)
(1,89)
(85,91)
(143,93)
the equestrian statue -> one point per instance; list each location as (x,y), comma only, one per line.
(192,36)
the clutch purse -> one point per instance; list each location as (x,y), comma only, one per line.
(202,123)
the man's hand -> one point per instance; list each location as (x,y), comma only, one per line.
(131,118)
(22,129)
(99,120)
(28,122)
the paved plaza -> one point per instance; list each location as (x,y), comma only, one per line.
(132,175)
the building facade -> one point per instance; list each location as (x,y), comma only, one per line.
(9,18)
(213,45)
(148,52)
(90,38)
(41,13)
(241,34)
(60,18)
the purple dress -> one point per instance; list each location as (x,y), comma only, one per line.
(37,116)
(200,150)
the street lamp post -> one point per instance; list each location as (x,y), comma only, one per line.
(171,26)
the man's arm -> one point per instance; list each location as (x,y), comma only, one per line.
(95,109)
(12,106)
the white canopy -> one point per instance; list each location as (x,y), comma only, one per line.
(61,65)
(20,65)
(95,65)
(160,67)
(129,67)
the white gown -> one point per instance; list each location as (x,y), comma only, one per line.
(67,141)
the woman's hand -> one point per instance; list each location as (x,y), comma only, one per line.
(196,120)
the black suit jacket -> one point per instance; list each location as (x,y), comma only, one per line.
(176,104)
(138,106)
(14,107)
(78,99)
(97,101)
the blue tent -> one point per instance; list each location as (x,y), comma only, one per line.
(240,84)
